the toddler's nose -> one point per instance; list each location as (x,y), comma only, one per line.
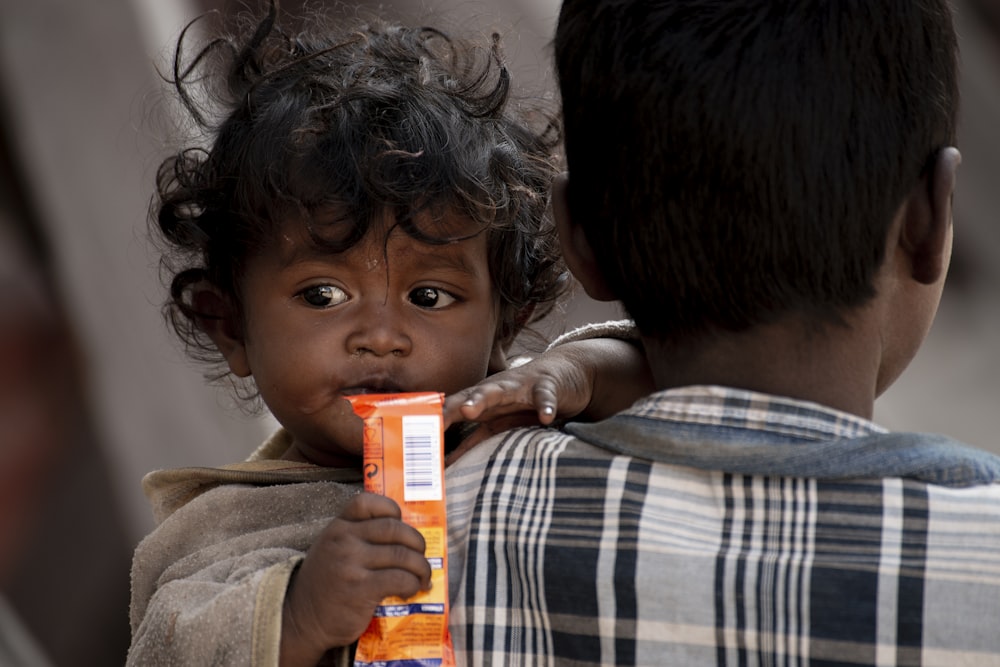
(380,331)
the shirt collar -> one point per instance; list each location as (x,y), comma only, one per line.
(787,418)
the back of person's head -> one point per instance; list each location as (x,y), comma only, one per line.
(363,124)
(735,161)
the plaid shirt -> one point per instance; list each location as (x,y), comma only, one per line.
(654,538)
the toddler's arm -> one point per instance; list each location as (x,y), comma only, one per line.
(586,379)
(364,555)
(247,575)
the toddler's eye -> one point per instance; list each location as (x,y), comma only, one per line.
(323,296)
(431,297)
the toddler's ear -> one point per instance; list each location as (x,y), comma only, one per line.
(217,317)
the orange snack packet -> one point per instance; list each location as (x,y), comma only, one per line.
(404,460)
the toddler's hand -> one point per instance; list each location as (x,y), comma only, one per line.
(364,555)
(587,379)
(559,383)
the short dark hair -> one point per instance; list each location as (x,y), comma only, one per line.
(734,161)
(365,119)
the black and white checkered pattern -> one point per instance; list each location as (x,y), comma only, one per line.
(567,553)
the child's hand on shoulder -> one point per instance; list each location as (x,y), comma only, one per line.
(550,386)
(588,380)
(365,554)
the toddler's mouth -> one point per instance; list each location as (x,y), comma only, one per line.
(372,388)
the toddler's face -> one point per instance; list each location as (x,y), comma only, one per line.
(384,316)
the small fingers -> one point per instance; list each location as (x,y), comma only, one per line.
(366,506)
(404,578)
(377,520)
(489,400)
(546,400)
(388,531)
(494,397)
(404,584)
(372,545)
(391,558)
(512,395)
(465,405)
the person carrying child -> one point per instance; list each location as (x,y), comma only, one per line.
(370,215)
(766,186)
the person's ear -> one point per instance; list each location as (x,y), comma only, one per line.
(926,233)
(576,248)
(217,317)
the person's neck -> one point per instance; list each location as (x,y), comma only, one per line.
(836,367)
(296,452)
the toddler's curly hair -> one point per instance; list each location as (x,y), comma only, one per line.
(367,120)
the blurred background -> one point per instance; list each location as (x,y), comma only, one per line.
(94,391)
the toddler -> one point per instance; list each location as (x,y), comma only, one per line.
(370,215)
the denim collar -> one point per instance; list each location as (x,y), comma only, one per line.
(716,428)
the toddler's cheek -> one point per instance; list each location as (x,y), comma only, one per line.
(345,430)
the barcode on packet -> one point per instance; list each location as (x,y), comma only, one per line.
(422,458)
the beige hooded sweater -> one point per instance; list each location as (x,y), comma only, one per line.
(208,585)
